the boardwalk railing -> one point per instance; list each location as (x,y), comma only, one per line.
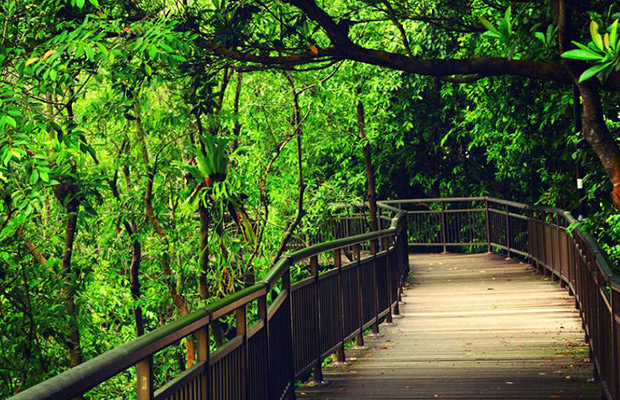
(283,330)
(548,238)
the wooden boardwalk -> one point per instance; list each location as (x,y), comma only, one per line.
(472,326)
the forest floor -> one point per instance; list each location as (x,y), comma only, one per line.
(472,326)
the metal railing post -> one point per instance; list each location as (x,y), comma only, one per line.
(559,251)
(286,287)
(398,243)
(388,271)
(144,373)
(202,340)
(507,234)
(242,330)
(340,355)
(443,227)
(373,250)
(263,315)
(317,377)
(359,340)
(614,386)
(488,223)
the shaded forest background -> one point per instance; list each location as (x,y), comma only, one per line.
(144,174)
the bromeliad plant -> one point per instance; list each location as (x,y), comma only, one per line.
(603,50)
(213,164)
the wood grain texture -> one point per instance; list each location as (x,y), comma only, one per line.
(472,326)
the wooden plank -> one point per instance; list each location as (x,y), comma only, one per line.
(472,326)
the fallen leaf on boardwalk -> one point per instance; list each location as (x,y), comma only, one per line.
(553,396)
(510,383)
(369,355)
(341,389)
(383,348)
(490,288)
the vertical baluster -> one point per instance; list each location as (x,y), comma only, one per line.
(263,315)
(373,250)
(359,341)
(290,364)
(398,248)
(144,372)
(314,271)
(614,385)
(443,226)
(507,234)
(340,356)
(242,325)
(202,341)
(530,235)
(559,251)
(543,255)
(385,244)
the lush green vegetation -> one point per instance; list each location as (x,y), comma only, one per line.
(156,155)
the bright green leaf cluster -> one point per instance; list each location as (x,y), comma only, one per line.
(603,50)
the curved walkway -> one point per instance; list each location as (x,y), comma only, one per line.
(472,326)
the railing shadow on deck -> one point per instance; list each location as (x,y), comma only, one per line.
(549,239)
(284,329)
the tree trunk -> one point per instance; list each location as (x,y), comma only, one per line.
(177,298)
(203,284)
(370,176)
(595,130)
(64,192)
(136,259)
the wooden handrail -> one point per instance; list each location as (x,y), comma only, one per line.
(82,378)
(550,239)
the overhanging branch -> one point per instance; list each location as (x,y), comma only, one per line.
(343,48)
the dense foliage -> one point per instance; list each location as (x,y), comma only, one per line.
(157,155)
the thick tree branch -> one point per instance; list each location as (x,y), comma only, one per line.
(344,48)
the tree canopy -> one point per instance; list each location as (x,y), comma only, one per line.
(157,155)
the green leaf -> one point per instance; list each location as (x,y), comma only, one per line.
(590,72)
(613,36)
(488,25)
(597,39)
(79,3)
(152,52)
(580,54)
(10,121)
(202,164)
(592,49)
(540,36)
(90,53)
(34,177)
(507,21)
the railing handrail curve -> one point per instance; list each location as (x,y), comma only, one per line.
(548,238)
(89,374)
